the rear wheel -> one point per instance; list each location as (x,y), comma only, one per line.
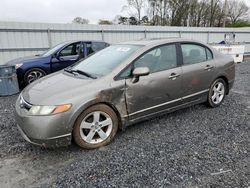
(95,127)
(217,93)
(33,75)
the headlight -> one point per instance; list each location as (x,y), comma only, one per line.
(18,65)
(48,110)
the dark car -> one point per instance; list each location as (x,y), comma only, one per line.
(59,57)
(119,86)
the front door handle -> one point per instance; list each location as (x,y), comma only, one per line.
(173,76)
(208,67)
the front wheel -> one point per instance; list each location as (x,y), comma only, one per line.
(95,127)
(217,93)
(33,75)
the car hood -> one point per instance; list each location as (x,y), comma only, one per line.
(23,60)
(58,88)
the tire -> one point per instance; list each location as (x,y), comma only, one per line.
(32,75)
(89,126)
(217,93)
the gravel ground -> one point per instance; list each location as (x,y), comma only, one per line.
(193,147)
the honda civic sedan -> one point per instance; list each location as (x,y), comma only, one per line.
(120,86)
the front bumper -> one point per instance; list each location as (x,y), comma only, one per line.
(46,131)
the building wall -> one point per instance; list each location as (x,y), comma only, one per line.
(25,39)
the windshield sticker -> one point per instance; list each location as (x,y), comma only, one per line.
(123,49)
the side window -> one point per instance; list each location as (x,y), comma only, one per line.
(71,50)
(89,48)
(127,72)
(193,53)
(209,54)
(158,59)
(95,47)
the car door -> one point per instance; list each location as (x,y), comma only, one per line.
(67,56)
(161,89)
(198,70)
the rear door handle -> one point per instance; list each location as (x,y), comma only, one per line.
(208,67)
(173,76)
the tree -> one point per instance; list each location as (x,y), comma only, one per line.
(145,20)
(196,13)
(240,23)
(79,20)
(133,21)
(105,22)
(237,10)
(138,6)
(123,20)
(179,10)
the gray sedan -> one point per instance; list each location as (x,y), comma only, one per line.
(119,86)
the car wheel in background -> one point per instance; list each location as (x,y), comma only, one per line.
(95,127)
(217,93)
(33,75)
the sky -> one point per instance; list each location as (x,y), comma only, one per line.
(61,11)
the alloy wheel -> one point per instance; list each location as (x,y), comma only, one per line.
(96,127)
(34,75)
(218,93)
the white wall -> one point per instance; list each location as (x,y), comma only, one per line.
(25,39)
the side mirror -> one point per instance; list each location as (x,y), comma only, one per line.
(140,71)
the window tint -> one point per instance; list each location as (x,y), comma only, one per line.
(53,50)
(209,54)
(193,53)
(158,59)
(70,50)
(95,47)
(89,48)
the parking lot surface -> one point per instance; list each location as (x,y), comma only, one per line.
(196,146)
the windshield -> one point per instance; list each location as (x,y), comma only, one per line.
(52,50)
(104,61)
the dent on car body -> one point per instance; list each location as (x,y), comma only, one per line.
(115,96)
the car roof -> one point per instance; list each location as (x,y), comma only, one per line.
(156,41)
(73,41)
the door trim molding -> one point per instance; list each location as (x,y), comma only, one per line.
(169,102)
(194,94)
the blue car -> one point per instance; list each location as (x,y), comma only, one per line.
(59,57)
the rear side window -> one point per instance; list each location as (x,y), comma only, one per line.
(95,47)
(193,53)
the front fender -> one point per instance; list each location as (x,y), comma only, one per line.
(114,97)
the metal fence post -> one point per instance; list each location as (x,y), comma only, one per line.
(49,38)
(145,33)
(180,34)
(102,33)
(208,37)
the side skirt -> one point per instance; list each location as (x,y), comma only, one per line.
(166,111)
